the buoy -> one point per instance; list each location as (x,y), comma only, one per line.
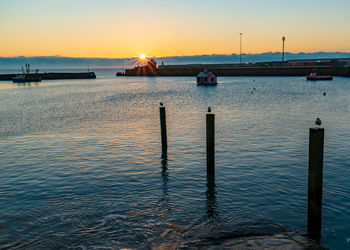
(324,93)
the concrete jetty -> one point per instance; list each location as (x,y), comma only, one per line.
(54,76)
(221,70)
(333,67)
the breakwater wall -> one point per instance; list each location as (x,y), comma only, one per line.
(222,70)
(54,76)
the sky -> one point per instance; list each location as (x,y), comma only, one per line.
(120,29)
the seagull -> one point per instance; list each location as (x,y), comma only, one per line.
(209,109)
(318,122)
(161,104)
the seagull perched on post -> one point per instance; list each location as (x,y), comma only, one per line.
(318,122)
(161,104)
(209,109)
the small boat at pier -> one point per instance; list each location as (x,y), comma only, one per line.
(26,76)
(315,77)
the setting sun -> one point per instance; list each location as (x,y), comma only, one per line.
(142,57)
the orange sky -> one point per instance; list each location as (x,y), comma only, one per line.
(117,29)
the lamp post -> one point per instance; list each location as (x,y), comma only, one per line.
(283,39)
(240,48)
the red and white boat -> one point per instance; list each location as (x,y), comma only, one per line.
(315,77)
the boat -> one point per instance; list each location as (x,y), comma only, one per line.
(315,77)
(26,76)
(206,78)
(19,79)
(23,78)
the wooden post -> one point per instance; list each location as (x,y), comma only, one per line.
(210,144)
(314,215)
(211,197)
(163,127)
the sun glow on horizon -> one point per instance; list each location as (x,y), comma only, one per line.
(140,60)
(142,57)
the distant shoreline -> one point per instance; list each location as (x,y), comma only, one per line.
(55,62)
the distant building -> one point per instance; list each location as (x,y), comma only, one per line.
(152,63)
(206,78)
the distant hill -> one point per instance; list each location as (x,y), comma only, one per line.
(69,62)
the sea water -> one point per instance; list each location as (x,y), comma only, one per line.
(81,164)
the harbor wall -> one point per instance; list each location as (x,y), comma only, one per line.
(222,70)
(54,76)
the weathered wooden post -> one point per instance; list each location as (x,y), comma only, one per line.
(211,197)
(163,126)
(314,216)
(210,143)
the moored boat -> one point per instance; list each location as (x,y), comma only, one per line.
(315,77)
(26,76)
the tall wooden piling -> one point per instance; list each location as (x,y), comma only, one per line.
(315,181)
(163,127)
(211,197)
(210,144)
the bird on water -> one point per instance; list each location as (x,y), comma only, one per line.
(161,104)
(209,109)
(318,122)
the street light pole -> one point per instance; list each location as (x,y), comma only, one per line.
(240,48)
(283,39)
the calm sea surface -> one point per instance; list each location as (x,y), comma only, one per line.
(81,163)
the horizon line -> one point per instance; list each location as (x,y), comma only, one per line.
(233,54)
